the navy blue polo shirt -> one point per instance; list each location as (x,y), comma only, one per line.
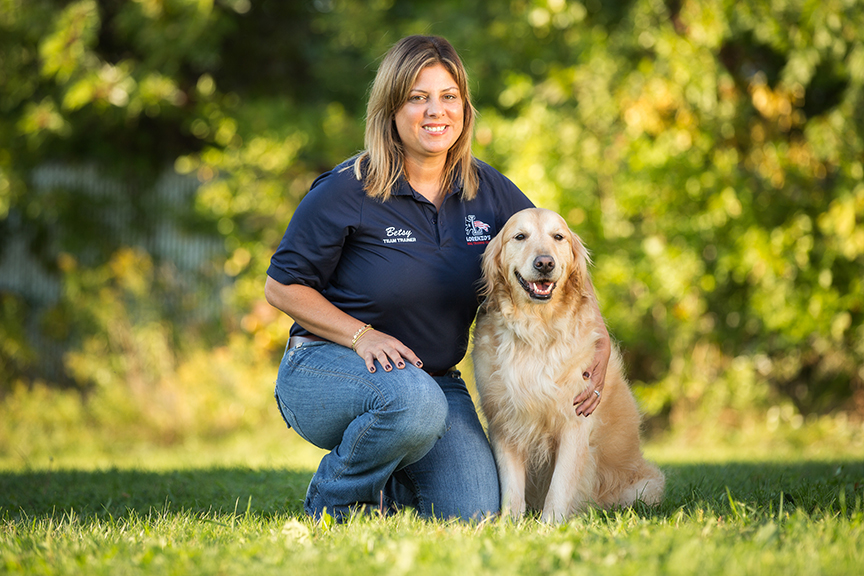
(402,266)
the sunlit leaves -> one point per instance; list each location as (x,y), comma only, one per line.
(711,161)
(843,224)
(68,48)
(709,152)
(42,117)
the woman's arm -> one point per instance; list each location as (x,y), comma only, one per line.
(318,315)
(587,401)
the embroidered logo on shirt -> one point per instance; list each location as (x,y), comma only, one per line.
(394,235)
(476,232)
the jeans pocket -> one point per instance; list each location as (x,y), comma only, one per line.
(291,420)
(292,367)
(281,411)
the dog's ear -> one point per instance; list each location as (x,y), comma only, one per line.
(580,279)
(491,264)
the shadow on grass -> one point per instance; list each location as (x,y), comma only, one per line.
(809,486)
(212,492)
(118,493)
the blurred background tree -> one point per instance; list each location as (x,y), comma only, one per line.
(152,152)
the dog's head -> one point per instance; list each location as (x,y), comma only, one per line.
(536,258)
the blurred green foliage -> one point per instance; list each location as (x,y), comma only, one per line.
(710,153)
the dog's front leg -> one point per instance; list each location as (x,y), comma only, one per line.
(511,475)
(573,478)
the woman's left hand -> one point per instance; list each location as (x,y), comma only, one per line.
(588,400)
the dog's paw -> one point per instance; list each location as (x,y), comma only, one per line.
(550,516)
(514,509)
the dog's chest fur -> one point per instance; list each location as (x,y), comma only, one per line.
(530,374)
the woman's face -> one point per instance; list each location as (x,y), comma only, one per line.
(430,122)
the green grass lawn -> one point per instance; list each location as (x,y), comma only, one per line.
(237,509)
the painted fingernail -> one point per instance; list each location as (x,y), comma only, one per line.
(387,368)
(372,370)
(419,364)
(400,365)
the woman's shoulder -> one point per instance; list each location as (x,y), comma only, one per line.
(485,169)
(340,180)
(336,196)
(491,176)
(499,191)
(494,181)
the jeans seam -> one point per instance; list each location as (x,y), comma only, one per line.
(337,475)
(362,435)
(421,501)
(384,401)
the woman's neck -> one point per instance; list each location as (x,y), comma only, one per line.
(426,179)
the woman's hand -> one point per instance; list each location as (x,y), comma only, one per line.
(588,400)
(387,350)
(320,317)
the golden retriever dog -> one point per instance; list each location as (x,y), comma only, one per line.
(535,338)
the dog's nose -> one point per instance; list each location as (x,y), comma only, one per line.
(544,264)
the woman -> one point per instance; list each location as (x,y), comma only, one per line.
(379,269)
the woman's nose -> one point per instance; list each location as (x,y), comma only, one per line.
(435,107)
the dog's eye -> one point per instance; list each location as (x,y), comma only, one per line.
(519,237)
(559,237)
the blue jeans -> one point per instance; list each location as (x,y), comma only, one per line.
(399,438)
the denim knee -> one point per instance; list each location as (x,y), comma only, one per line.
(419,416)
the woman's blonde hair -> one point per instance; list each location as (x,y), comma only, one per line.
(382,163)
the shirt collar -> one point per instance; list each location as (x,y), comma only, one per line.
(403,188)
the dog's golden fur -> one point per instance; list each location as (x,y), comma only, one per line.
(535,337)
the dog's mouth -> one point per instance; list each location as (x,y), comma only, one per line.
(537,290)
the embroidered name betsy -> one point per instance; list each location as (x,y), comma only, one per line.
(395,235)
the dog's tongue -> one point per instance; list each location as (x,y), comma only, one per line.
(542,288)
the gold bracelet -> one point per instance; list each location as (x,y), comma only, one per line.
(358,334)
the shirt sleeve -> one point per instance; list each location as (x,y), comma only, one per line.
(313,242)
